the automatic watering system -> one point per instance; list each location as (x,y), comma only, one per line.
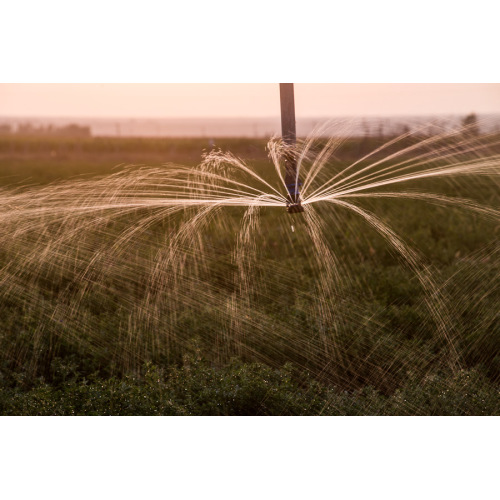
(292,180)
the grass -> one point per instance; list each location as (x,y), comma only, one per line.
(392,359)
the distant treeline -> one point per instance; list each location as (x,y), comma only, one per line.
(212,128)
(27,129)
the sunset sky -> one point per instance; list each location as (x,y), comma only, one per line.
(243,100)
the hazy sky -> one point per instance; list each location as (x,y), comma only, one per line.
(243,100)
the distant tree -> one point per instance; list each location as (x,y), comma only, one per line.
(401,129)
(380,131)
(71,130)
(470,124)
(25,129)
(366,128)
(5,129)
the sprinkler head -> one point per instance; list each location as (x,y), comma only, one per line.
(293,205)
(294,208)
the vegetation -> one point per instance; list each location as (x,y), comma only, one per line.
(197,388)
(392,362)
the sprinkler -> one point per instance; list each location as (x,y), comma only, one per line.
(292,180)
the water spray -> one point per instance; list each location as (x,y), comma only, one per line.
(289,135)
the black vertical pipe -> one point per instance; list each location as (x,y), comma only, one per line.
(289,135)
(287,113)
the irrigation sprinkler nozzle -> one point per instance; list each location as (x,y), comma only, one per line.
(294,208)
(294,205)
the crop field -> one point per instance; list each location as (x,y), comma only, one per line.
(134,280)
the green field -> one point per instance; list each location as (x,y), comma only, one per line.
(211,342)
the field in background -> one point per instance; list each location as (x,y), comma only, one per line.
(40,160)
(460,245)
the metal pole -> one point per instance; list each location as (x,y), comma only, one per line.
(287,101)
(289,135)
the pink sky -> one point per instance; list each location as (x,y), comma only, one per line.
(243,100)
